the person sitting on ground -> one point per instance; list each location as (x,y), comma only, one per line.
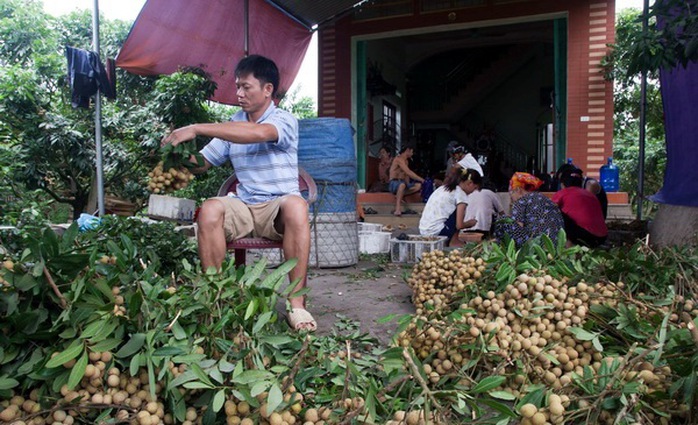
(403,181)
(581,211)
(444,211)
(532,213)
(385,160)
(589,184)
(261,142)
(482,207)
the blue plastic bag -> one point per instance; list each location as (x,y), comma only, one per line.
(88,222)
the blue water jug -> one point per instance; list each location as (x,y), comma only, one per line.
(610,176)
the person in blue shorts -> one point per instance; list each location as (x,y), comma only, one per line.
(403,181)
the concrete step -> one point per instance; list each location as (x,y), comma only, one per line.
(620,212)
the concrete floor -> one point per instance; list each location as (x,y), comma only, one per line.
(364,293)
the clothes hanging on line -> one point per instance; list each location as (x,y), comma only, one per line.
(86,75)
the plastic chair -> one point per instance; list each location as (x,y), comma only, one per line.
(240,246)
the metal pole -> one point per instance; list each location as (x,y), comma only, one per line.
(98,116)
(643,118)
(247,28)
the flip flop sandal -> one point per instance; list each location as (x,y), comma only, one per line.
(299,316)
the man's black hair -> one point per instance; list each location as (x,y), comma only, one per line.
(262,68)
(572,177)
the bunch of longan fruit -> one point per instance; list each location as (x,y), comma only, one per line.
(166,181)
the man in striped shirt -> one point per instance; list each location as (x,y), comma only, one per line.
(261,143)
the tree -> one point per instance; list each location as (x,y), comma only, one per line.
(51,145)
(670,42)
(53,142)
(620,67)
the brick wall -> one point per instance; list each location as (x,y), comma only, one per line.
(590,97)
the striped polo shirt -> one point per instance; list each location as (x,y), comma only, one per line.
(264,170)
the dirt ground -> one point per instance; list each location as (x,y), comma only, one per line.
(365,293)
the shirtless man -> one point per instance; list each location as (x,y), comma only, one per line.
(403,181)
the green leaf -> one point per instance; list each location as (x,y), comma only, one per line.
(225,366)
(274,398)
(597,344)
(65,356)
(199,372)
(499,407)
(488,383)
(535,396)
(181,379)
(276,340)
(135,364)
(197,385)
(552,358)
(218,400)
(662,338)
(78,371)
(505,270)
(259,387)
(582,334)
(262,321)
(99,329)
(249,376)
(132,346)
(502,395)
(7,383)
(106,345)
(178,331)
(168,351)
(251,308)
(216,375)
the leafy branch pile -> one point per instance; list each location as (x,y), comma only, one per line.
(560,349)
(96,330)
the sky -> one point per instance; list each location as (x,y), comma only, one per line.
(127,10)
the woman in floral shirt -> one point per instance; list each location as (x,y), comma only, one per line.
(532,213)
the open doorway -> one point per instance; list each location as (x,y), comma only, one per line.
(498,90)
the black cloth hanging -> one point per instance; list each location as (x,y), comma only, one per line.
(86,75)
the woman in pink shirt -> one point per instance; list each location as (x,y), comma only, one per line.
(581,210)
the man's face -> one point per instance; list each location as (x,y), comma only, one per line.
(252,95)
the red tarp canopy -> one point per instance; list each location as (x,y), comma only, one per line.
(169,34)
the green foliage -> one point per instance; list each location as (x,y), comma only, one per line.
(300,107)
(179,98)
(128,290)
(157,242)
(621,66)
(540,253)
(645,270)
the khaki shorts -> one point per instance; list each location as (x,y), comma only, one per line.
(243,220)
